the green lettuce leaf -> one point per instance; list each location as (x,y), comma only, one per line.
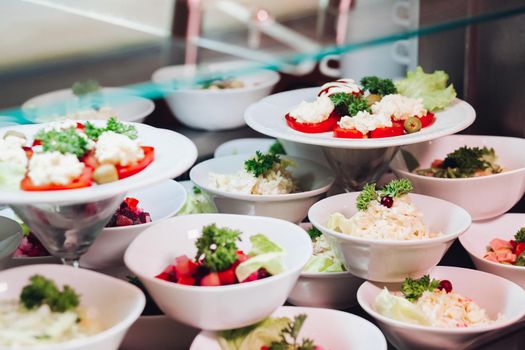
(431,87)
(197,203)
(323,263)
(254,336)
(262,244)
(271,262)
(399,308)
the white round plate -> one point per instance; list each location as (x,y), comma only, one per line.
(267,117)
(330,329)
(127,106)
(243,146)
(174,154)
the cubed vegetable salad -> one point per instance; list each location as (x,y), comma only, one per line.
(220,262)
(71,155)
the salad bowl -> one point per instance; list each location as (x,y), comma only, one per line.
(10,238)
(493,293)
(469,192)
(114,304)
(329,329)
(53,105)
(391,260)
(160,201)
(227,105)
(313,179)
(477,239)
(218,307)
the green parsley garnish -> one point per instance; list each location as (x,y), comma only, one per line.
(394,189)
(413,289)
(114,125)
(261,163)
(314,233)
(196,190)
(276,148)
(44,291)
(217,247)
(519,237)
(63,141)
(81,88)
(348,104)
(378,86)
(520,261)
(289,336)
(358,104)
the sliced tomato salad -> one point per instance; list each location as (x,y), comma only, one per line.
(128,170)
(313,128)
(427,120)
(84,180)
(348,133)
(397,129)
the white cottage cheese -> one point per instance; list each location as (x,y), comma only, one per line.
(54,168)
(11,151)
(347,86)
(399,107)
(118,149)
(365,122)
(313,112)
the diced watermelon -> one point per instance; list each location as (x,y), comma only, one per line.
(513,244)
(497,244)
(520,248)
(164,276)
(184,266)
(131,202)
(211,279)
(190,281)
(227,276)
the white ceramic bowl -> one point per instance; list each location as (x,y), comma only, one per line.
(494,294)
(332,290)
(390,260)
(468,193)
(213,109)
(10,238)
(331,329)
(158,333)
(222,307)
(243,146)
(117,304)
(314,180)
(49,106)
(161,201)
(478,237)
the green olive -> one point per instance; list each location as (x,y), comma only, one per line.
(105,173)
(15,134)
(372,98)
(412,124)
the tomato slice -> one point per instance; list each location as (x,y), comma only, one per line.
(396,129)
(84,180)
(348,133)
(29,151)
(312,128)
(128,170)
(427,120)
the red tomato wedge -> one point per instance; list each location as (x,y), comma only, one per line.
(84,180)
(312,128)
(29,151)
(396,129)
(348,133)
(427,120)
(128,170)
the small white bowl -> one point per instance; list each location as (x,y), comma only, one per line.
(115,303)
(222,307)
(468,193)
(390,260)
(161,201)
(330,329)
(494,294)
(213,109)
(331,290)
(478,236)
(314,180)
(49,106)
(159,333)
(10,238)
(243,146)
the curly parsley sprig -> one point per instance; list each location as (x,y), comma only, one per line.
(314,233)
(519,237)
(113,124)
(44,291)
(289,336)
(378,86)
(261,163)
(63,141)
(394,189)
(348,104)
(412,289)
(217,247)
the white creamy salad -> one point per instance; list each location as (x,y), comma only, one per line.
(399,107)
(365,122)
(54,167)
(313,112)
(118,149)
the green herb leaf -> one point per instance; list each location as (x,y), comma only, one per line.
(217,247)
(196,190)
(276,148)
(412,289)
(81,88)
(261,163)
(341,100)
(521,260)
(396,188)
(358,104)
(113,124)
(314,233)
(289,336)
(63,141)
(44,291)
(378,86)
(467,160)
(367,195)
(519,237)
